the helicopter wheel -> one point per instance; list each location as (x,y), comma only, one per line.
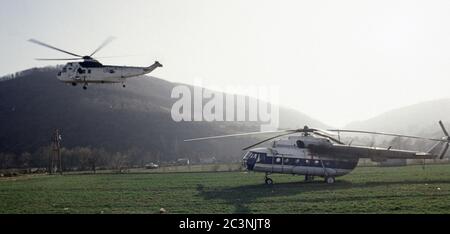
(85,87)
(123,85)
(330,180)
(74,84)
(267,180)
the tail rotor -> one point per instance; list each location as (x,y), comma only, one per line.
(445,138)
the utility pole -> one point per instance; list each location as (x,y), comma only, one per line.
(55,157)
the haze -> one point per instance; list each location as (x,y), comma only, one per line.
(336,61)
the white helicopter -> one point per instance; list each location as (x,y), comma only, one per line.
(92,71)
(315,152)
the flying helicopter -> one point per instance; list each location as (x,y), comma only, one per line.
(88,70)
(316,152)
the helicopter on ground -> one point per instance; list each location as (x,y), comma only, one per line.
(315,152)
(90,70)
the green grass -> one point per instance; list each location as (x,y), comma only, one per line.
(410,189)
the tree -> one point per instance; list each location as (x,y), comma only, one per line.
(6,160)
(23,160)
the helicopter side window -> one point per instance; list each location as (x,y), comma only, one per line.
(261,157)
(112,71)
(89,71)
(64,70)
(81,71)
(300,144)
(278,160)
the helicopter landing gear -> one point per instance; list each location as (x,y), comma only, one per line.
(123,85)
(330,180)
(268,180)
(309,178)
(85,86)
(74,84)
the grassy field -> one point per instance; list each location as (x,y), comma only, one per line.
(410,189)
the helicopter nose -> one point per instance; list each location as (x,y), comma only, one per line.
(244,162)
(248,162)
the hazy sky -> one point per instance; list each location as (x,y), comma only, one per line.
(337,61)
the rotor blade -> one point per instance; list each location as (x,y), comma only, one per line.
(239,134)
(268,139)
(118,56)
(385,134)
(444,151)
(443,128)
(52,47)
(45,59)
(106,42)
(325,131)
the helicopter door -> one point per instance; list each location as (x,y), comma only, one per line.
(82,73)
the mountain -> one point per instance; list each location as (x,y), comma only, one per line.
(418,119)
(136,118)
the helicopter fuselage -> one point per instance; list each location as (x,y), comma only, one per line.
(95,72)
(294,156)
(317,153)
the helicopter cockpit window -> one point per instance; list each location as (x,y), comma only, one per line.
(300,144)
(251,155)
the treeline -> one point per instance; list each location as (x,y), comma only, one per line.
(27,72)
(79,159)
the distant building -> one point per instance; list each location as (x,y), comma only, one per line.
(208,160)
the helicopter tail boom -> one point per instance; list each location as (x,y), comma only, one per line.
(152,67)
